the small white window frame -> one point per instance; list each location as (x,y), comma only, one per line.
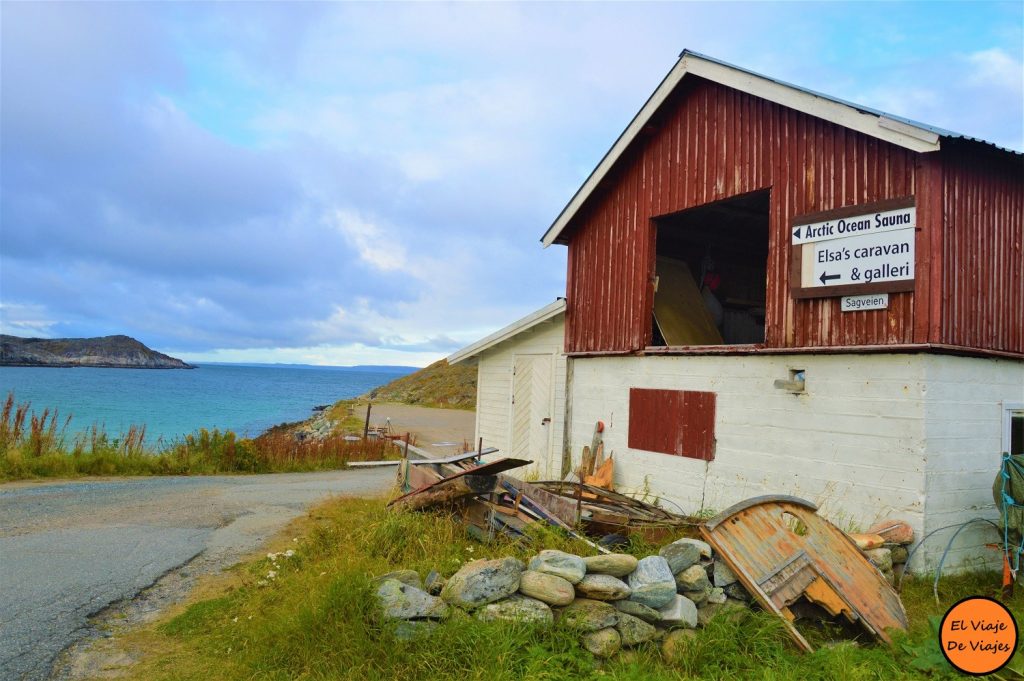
(1009,408)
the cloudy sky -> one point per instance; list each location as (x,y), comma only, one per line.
(368,183)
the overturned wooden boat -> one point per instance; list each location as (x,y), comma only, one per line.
(787,555)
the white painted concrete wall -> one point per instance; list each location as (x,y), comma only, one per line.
(963,428)
(874,436)
(853,443)
(494,392)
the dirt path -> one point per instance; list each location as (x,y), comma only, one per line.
(432,428)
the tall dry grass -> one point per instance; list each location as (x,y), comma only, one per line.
(36,445)
(282,450)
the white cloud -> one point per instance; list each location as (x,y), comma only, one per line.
(355,176)
(979,94)
(997,68)
(383,251)
(318,355)
(30,320)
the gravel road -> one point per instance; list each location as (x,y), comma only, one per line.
(433,428)
(68,550)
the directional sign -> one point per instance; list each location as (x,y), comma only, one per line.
(871,301)
(864,259)
(854,225)
(852,250)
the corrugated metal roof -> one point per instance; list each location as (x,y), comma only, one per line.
(941,132)
(891,128)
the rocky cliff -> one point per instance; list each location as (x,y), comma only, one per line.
(108,351)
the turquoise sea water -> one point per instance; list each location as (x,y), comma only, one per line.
(172,402)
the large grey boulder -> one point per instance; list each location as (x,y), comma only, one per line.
(680,555)
(482,582)
(737,591)
(614,564)
(880,558)
(680,612)
(723,576)
(693,578)
(400,601)
(433,583)
(634,630)
(699,598)
(644,612)
(517,608)
(603,642)
(565,565)
(410,577)
(603,588)
(588,615)
(652,582)
(702,546)
(551,589)
(717,596)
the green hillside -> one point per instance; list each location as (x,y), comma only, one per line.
(438,385)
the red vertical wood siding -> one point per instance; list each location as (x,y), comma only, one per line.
(680,422)
(982,301)
(710,142)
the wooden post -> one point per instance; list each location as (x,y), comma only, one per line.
(366,426)
(579,481)
(402,481)
(479,448)
(587,462)
(405,454)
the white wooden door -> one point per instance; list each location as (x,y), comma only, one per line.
(531,407)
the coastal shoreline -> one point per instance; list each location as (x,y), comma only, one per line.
(71,365)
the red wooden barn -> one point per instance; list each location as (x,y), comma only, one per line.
(771,290)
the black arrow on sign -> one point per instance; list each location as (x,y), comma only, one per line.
(797,233)
(825,278)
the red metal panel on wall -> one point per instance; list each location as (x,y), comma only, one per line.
(680,422)
(982,302)
(710,142)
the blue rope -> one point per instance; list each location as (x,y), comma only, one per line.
(949,545)
(1008,503)
(938,569)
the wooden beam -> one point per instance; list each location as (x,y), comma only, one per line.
(423,462)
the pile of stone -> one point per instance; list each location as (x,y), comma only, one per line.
(317,428)
(613,600)
(890,556)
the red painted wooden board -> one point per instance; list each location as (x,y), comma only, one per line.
(679,422)
(709,142)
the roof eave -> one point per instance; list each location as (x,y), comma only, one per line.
(875,124)
(515,328)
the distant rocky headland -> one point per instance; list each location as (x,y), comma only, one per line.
(108,351)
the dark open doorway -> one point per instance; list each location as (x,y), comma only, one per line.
(712,268)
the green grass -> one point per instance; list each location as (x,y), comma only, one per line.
(439,385)
(349,416)
(37,445)
(316,619)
